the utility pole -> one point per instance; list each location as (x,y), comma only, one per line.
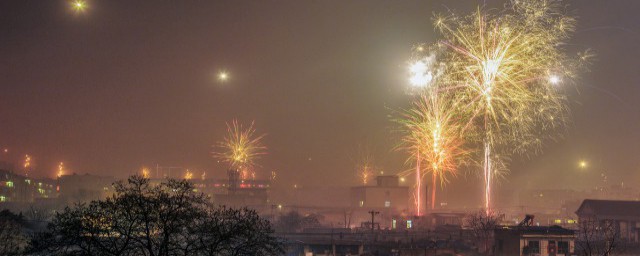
(373,214)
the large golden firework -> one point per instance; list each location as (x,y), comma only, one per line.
(433,137)
(504,68)
(241,147)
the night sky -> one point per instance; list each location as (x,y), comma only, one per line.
(128,84)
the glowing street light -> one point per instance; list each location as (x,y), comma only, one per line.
(583,164)
(554,79)
(223,76)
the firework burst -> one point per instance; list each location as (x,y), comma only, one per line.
(188,175)
(504,68)
(27,162)
(241,147)
(432,136)
(61,170)
(145,173)
(365,173)
(365,167)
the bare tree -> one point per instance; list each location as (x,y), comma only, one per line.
(483,224)
(598,237)
(166,219)
(228,231)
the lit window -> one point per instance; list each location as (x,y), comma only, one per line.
(557,221)
(409,224)
(3,199)
(571,222)
(361,203)
(41,191)
(387,203)
(10,184)
(393,224)
(28,181)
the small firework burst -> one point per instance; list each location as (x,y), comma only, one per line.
(241,147)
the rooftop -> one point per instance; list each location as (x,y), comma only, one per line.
(537,230)
(604,208)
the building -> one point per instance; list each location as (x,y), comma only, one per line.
(386,194)
(387,200)
(240,192)
(534,240)
(624,216)
(437,219)
(547,201)
(84,188)
(16,188)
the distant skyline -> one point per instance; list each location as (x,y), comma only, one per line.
(130,84)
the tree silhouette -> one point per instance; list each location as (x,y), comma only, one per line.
(156,220)
(598,238)
(12,239)
(482,224)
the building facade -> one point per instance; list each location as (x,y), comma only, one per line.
(534,240)
(386,194)
(623,216)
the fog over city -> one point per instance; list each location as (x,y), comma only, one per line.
(522,107)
